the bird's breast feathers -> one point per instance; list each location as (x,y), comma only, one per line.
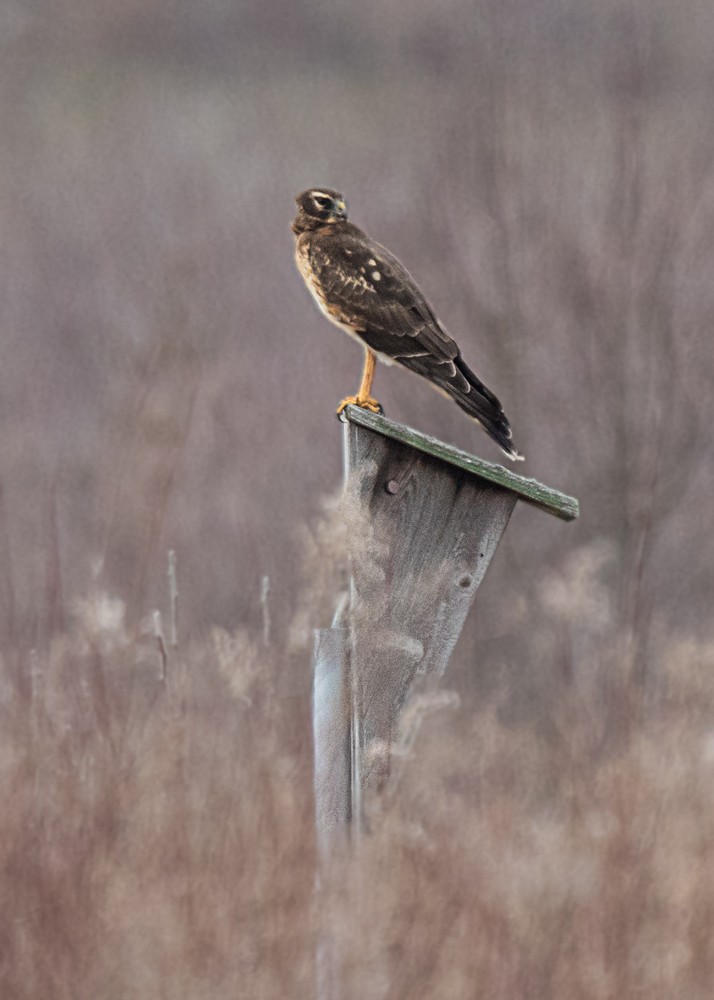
(323,275)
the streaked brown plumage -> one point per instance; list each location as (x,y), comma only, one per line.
(362,288)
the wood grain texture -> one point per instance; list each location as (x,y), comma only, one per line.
(424,535)
(529,490)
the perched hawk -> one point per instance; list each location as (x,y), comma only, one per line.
(360,286)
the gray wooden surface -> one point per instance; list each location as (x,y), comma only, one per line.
(429,530)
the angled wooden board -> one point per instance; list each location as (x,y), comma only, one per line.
(529,490)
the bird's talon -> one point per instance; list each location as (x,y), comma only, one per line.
(370,404)
(366,404)
(347,401)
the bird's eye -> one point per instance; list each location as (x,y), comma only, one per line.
(321,202)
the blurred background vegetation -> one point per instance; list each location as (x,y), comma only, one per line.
(545,168)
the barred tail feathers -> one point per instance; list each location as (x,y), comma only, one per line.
(454,377)
(481,404)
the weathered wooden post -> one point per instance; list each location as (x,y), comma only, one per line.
(425,521)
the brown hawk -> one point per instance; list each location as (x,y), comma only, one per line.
(362,288)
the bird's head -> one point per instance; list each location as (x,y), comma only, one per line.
(319,207)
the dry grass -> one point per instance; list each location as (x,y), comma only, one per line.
(158,837)
(158,842)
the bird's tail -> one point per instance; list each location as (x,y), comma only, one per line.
(469,392)
(454,377)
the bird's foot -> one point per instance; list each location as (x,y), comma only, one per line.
(365,402)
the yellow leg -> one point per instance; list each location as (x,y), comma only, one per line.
(363,397)
(370,361)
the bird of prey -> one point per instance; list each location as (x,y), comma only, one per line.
(362,288)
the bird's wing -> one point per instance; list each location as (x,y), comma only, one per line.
(377,295)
